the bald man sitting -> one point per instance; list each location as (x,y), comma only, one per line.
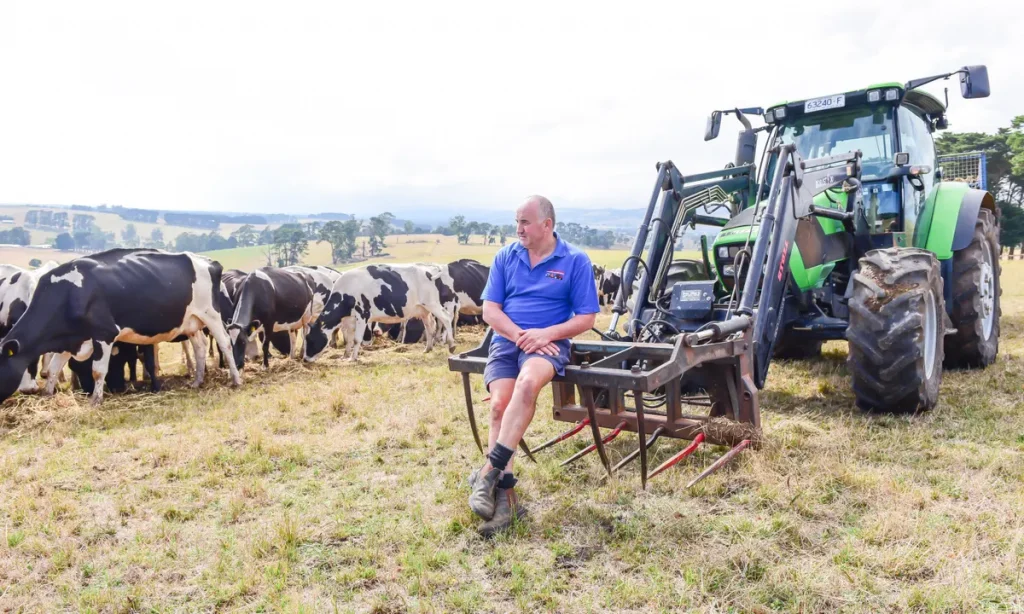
(540,293)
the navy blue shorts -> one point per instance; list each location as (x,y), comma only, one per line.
(505,360)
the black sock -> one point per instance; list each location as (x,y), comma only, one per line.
(507,481)
(499,456)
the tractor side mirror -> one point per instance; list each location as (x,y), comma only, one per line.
(902,158)
(714,125)
(974,82)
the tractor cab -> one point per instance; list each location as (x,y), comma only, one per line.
(892,129)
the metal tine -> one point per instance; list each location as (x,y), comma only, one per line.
(718,464)
(595,430)
(638,397)
(593,446)
(526,449)
(690,449)
(635,453)
(566,435)
(469,409)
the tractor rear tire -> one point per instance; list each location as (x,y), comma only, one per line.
(897,316)
(976,291)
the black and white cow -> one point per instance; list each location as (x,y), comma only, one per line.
(390,294)
(82,307)
(323,278)
(16,288)
(275,301)
(608,287)
(467,279)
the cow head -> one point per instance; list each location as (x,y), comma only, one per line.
(338,306)
(240,337)
(13,363)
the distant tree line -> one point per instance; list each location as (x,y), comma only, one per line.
(574,233)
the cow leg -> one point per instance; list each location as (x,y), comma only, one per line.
(149,366)
(100,364)
(224,347)
(348,329)
(444,320)
(266,351)
(57,365)
(156,359)
(199,348)
(189,368)
(429,332)
(209,341)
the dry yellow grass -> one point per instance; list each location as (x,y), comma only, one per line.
(341,487)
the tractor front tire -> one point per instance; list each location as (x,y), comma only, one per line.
(896,329)
(976,291)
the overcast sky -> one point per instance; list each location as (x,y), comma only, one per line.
(367,106)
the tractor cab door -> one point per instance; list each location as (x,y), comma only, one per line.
(916,140)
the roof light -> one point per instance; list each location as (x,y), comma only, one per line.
(874,96)
(892,94)
(780,113)
(769,117)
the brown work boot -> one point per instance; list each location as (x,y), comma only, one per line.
(506,511)
(481,496)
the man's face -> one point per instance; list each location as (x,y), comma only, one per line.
(531,229)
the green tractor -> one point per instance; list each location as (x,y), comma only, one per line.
(846,228)
(905,266)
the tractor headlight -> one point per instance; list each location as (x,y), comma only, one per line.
(769,117)
(780,113)
(874,95)
(729,270)
(892,94)
(723,252)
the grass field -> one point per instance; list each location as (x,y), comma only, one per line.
(341,487)
(401,248)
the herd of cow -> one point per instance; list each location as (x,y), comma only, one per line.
(103,312)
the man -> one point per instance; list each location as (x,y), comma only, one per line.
(540,293)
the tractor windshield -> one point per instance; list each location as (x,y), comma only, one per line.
(869,129)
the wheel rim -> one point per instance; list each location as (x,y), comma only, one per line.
(930,324)
(988,292)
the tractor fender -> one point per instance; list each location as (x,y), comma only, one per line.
(946,223)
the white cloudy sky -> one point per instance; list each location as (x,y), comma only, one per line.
(363,106)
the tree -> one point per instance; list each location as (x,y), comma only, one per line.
(484,229)
(64,242)
(35,263)
(457,225)
(16,236)
(246,236)
(130,236)
(379,227)
(83,221)
(156,236)
(291,244)
(409,227)
(504,231)
(1011,226)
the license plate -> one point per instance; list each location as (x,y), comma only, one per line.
(824,104)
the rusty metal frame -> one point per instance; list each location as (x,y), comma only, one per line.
(598,371)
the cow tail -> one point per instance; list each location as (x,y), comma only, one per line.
(215,273)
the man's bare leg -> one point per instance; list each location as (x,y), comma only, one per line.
(507,429)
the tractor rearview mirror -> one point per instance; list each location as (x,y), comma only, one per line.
(974,82)
(714,125)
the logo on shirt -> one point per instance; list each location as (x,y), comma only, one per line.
(559,275)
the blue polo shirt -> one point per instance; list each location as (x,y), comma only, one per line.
(559,287)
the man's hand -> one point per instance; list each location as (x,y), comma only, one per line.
(533,340)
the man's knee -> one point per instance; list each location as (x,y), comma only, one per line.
(501,394)
(534,376)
